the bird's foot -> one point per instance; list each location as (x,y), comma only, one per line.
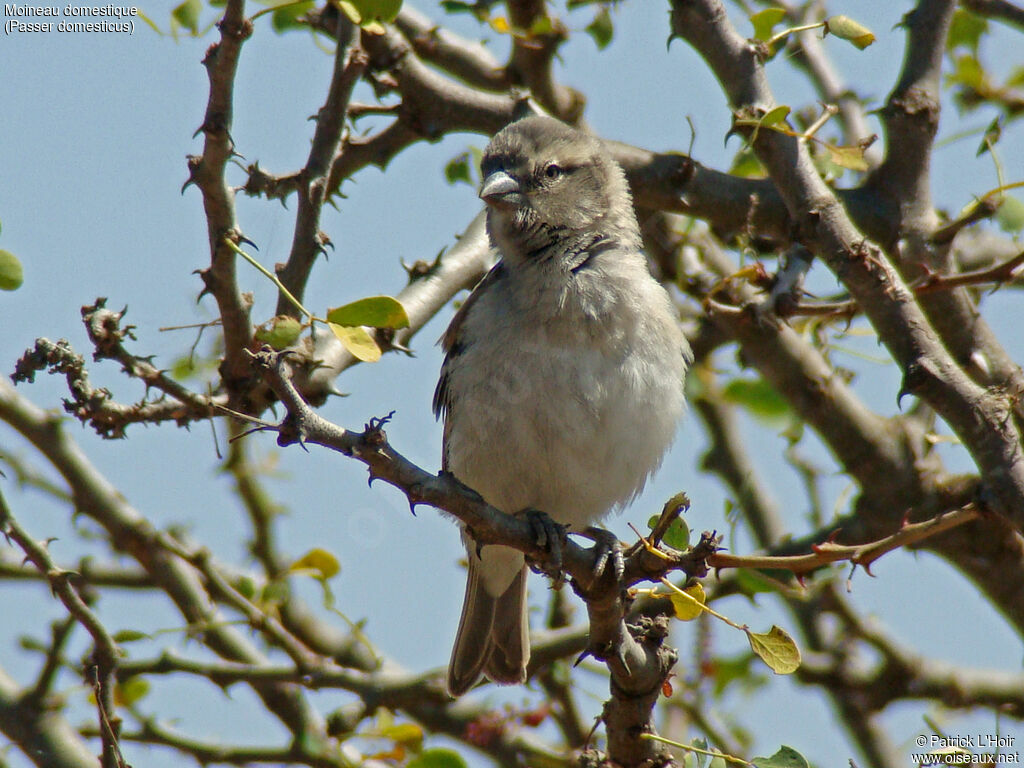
(549,535)
(606,547)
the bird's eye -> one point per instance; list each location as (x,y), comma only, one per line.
(553,171)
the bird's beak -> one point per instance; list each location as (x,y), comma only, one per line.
(499,188)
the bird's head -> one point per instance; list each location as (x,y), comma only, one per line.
(545,182)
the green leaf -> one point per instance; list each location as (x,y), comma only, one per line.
(11,273)
(699,759)
(274,592)
(765,21)
(758,397)
(1010,214)
(132,690)
(846,28)
(966,30)
(541,25)
(130,636)
(746,164)
(318,563)
(437,758)
(774,117)
(993,134)
(187,15)
(374,311)
(967,70)
(786,757)
(751,582)
(678,535)
(458,6)
(246,585)
(735,669)
(601,28)
(457,169)
(357,341)
(280,333)
(777,649)
(686,609)
(287,16)
(371,13)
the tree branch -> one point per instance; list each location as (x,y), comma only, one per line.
(1001,10)
(206,171)
(350,60)
(105,653)
(980,417)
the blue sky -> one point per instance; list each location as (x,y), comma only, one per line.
(94,134)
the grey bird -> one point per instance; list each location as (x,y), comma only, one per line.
(562,384)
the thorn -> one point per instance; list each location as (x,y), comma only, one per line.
(412,506)
(579,659)
(243,239)
(621,653)
(899,397)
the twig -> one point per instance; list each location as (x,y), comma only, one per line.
(860,554)
(105,651)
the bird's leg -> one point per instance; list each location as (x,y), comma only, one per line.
(606,545)
(549,535)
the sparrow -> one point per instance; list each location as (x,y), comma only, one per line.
(562,382)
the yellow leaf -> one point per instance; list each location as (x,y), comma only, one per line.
(319,563)
(357,341)
(848,157)
(689,608)
(777,649)
(407,734)
(846,28)
(500,25)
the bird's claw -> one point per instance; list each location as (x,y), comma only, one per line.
(606,547)
(549,535)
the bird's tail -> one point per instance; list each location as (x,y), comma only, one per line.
(493,636)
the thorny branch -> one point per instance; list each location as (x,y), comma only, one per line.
(102,664)
(444,85)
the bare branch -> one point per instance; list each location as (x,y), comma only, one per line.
(350,61)
(105,652)
(467,60)
(533,53)
(1001,10)
(40,731)
(206,171)
(860,554)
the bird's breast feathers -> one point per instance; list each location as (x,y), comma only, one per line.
(569,415)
